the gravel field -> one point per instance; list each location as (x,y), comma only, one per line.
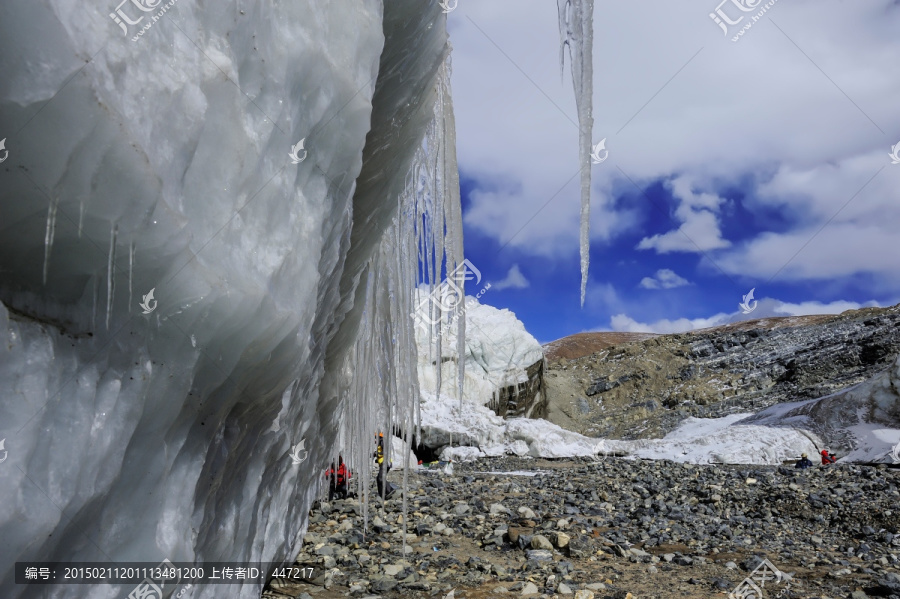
(615,528)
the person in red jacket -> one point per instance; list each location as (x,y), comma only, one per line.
(827,458)
(338,479)
(342,479)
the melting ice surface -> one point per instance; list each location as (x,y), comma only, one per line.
(282,291)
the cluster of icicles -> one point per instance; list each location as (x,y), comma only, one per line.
(380,385)
(49,236)
(380,390)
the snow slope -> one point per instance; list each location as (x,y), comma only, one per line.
(722,441)
(482,433)
(697,440)
(862,422)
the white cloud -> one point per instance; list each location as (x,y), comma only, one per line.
(835,307)
(767,308)
(664,279)
(697,213)
(514,280)
(623,322)
(847,223)
(679,101)
(603,298)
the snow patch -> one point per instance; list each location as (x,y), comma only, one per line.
(722,441)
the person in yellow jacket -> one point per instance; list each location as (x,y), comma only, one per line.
(384,488)
(379,451)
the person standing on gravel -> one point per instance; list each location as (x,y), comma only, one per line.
(332,482)
(384,488)
(827,458)
(343,476)
(803,463)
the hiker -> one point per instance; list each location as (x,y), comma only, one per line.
(379,481)
(342,478)
(379,450)
(384,488)
(827,458)
(803,463)
(332,481)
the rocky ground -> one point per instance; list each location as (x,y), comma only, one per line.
(611,529)
(644,389)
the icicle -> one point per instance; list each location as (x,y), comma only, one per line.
(80,217)
(453,219)
(110,267)
(423,242)
(49,234)
(96,299)
(131,275)
(576,28)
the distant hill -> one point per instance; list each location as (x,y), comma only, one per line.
(584,344)
(641,385)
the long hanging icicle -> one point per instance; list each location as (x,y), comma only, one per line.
(96,295)
(576,30)
(49,234)
(110,268)
(453,217)
(437,233)
(80,217)
(130,274)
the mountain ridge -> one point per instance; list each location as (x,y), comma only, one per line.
(644,388)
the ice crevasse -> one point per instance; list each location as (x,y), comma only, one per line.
(145,426)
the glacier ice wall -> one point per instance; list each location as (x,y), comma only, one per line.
(497,352)
(140,428)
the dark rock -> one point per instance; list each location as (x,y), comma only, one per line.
(382,585)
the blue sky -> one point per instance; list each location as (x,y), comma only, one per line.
(762,163)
